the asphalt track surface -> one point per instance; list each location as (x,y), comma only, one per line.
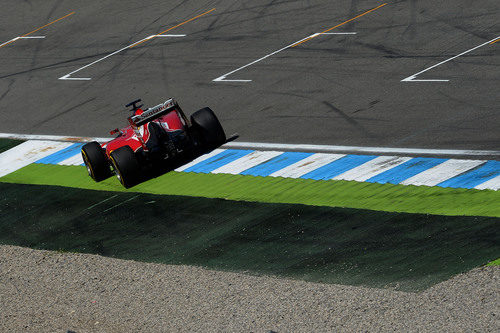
(330,89)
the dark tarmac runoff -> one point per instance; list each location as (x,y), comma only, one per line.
(343,87)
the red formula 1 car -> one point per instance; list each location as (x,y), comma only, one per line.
(157,140)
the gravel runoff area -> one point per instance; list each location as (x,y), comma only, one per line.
(44,291)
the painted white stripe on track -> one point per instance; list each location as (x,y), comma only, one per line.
(199,159)
(357,149)
(492,184)
(9,41)
(247,162)
(222,78)
(51,137)
(412,78)
(68,76)
(73,160)
(372,168)
(441,172)
(31,37)
(27,153)
(306,165)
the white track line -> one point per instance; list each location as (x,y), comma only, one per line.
(492,184)
(306,165)
(247,162)
(337,33)
(29,37)
(223,77)
(411,78)
(356,149)
(21,37)
(9,41)
(372,168)
(67,76)
(51,137)
(178,35)
(441,172)
(200,159)
(282,146)
(27,153)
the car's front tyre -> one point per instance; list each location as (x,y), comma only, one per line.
(96,162)
(126,166)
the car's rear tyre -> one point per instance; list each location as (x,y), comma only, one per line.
(127,168)
(96,162)
(209,128)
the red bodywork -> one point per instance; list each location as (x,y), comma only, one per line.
(129,136)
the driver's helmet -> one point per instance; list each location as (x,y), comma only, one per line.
(138,112)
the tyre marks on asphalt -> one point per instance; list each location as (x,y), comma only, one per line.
(161,34)
(223,78)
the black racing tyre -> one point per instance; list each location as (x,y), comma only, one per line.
(127,168)
(96,162)
(208,126)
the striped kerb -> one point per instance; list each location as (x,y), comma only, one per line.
(406,170)
(218,160)
(474,177)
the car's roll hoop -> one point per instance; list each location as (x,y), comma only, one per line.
(134,105)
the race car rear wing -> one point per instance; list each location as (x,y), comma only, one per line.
(154,112)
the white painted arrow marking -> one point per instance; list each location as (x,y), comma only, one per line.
(412,78)
(223,78)
(20,37)
(68,76)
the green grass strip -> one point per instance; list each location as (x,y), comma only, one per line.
(494,263)
(382,197)
(401,251)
